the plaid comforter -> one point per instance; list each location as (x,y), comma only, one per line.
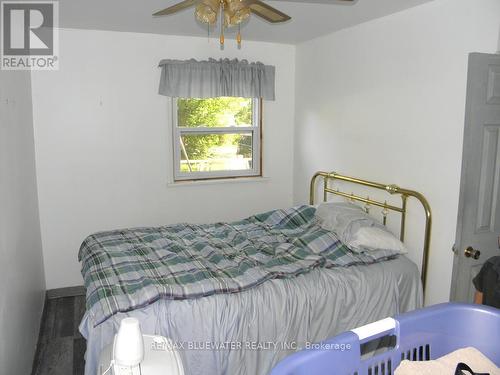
(128,269)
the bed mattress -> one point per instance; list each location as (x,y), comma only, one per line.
(127,269)
(249,332)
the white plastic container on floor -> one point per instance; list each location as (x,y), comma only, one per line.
(160,357)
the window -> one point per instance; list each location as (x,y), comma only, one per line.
(216,138)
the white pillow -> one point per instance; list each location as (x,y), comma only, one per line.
(375,238)
(356,229)
(339,217)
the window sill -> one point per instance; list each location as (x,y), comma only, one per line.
(235,180)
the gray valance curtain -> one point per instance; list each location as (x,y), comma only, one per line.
(214,78)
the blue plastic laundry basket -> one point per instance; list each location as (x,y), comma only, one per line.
(422,334)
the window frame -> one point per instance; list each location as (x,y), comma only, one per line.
(255,130)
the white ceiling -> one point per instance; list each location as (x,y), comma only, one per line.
(310,18)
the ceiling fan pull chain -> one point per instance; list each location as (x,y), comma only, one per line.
(221,38)
(238,37)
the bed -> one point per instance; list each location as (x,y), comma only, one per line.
(294,285)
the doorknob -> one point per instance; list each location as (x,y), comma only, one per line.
(470,252)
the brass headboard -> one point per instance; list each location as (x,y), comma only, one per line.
(391,189)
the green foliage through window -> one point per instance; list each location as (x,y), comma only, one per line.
(214,112)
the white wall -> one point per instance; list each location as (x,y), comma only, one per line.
(22,283)
(102,137)
(385,100)
(498,49)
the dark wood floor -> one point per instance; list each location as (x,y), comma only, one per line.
(61,348)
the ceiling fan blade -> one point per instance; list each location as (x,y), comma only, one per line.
(175,8)
(267,12)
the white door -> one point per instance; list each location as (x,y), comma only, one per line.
(478,227)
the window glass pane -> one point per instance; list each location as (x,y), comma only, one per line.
(214,112)
(215,152)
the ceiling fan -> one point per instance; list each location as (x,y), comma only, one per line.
(232,12)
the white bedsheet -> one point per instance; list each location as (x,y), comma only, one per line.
(270,320)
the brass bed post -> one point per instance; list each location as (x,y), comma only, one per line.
(391,189)
(427,231)
(312,187)
(404,199)
(325,188)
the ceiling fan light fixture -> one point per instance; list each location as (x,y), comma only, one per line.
(230,13)
(207,11)
(236,11)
